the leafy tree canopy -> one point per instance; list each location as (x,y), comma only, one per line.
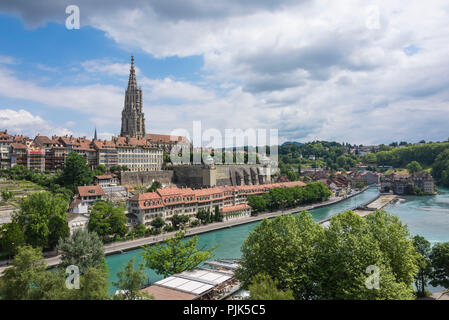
(83,249)
(175,255)
(265,288)
(76,172)
(130,282)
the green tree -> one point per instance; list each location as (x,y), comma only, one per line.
(348,250)
(257,203)
(292,175)
(6,195)
(154,186)
(178,221)
(394,242)
(319,263)
(175,255)
(107,219)
(203,216)
(414,167)
(370,158)
(76,172)
(25,278)
(83,249)
(423,247)
(439,258)
(285,249)
(101,169)
(117,169)
(139,230)
(157,223)
(265,288)
(12,237)
(166,157)
(59,229)
(93,285)
(218,217)
(34,215)
(131,281)
(440,169)
(28,279)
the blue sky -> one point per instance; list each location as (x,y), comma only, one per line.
(311,69)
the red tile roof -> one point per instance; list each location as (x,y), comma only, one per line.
(236,208)
(18,146)
(81,144)
(164,138)
(103,144)
(43,139)
(86,191)
(130,142)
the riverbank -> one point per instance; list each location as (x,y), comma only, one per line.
(120,247)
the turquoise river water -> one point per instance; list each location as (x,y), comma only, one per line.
(427,216)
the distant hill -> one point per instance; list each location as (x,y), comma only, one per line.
(292,142)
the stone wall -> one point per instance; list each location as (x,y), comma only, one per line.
(221,175)
(197,176)
(146,177)
(188,175)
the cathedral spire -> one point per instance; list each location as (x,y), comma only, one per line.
(132,82)
(95,134)
(133,119)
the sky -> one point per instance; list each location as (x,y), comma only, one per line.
(348,71)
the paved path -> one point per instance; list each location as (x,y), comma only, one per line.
(117,247)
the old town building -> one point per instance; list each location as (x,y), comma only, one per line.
(404,184)
(5,147)
(138,154)
(166,202)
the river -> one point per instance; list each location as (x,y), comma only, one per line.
(427,216)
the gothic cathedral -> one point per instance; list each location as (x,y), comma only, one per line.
(133,120)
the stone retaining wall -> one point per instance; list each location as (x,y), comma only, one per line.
(146,177)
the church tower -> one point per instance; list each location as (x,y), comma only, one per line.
(133,120)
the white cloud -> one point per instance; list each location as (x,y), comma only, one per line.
(96,100)
(315,70)
(169,88)
(8,60)
(23,122)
